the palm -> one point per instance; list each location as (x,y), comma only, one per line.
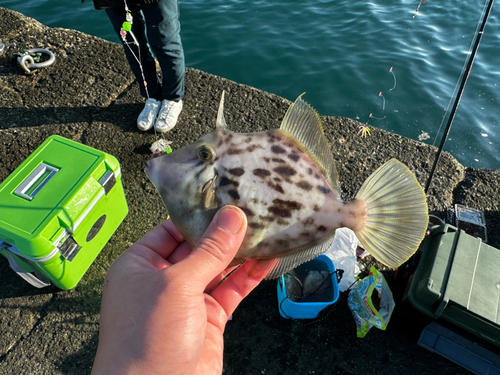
(156,312)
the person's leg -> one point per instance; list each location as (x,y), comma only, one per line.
(163,34)
(141,62)
(134,53)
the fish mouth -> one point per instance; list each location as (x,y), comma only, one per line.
(149,165)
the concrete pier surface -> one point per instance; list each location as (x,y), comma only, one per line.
(89,95)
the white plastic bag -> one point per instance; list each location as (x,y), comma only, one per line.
(343,254)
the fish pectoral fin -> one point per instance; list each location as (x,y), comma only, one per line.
(208,193)
(272,268)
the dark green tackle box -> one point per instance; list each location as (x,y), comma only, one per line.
(458,279)
(57,211)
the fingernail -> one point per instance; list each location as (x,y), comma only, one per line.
(230,220)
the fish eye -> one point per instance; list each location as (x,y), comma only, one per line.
(206,153)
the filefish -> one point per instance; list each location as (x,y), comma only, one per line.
(286,182)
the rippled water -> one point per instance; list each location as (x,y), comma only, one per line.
(341,54)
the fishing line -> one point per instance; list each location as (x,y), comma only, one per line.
(393,76)
(463,81)
(160,144)
(383,98)
(376,118)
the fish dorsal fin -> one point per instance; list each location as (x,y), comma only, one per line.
(271,268)
(221,123)
(303,122)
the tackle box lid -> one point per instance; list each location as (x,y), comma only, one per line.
(61,177)
(458,279)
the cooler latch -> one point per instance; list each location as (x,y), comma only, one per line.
(107,181)
(69,248)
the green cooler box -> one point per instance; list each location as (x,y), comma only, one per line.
(57,211)
(458,280)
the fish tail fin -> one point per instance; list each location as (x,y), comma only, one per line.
(397,215)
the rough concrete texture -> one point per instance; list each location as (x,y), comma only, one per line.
(89,95)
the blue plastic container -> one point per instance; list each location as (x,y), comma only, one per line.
(308,309)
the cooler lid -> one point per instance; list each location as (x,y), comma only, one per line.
(474,281)
(56,173)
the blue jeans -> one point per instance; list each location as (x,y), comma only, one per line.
(156,27)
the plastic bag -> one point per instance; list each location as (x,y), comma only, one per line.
(371,303)
(342,252)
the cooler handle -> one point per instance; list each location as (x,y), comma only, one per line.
(37,179)
(38,281)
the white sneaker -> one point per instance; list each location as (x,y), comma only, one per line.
(147,117)
(168,115)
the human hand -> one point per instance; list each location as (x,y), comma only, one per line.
(156,314)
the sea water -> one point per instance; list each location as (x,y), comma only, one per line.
(379,62)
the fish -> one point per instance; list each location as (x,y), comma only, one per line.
(286,182)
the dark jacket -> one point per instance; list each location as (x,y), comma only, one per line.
(103,4)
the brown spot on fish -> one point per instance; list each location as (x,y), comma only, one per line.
(273,138)
(282,243)
(304,185)
(339,210)
(261,172)
(316,208)
(281,221)
(198,174)
(310,171)
(309,221)
(220,142)
(318,176)
(276,187)
(283,208)
(353,214)
(285,171)
(305,234)
(267,218)
(323,189)
(278,160)
(248,140)
(278,149)
(254,147)
(228,138)
(294,156)
(224,181)
(235,151)
(237,171)
(256,225)
(277,179)
(234,194)
(247,211)
(267,160)
(322,228)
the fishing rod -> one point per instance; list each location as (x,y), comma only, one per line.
(465,76)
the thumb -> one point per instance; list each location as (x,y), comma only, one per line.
(217,247)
